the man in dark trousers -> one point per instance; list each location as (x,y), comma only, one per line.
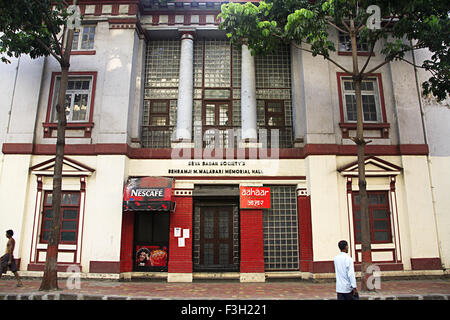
(7,260)
(345,274)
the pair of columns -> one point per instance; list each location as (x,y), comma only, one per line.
(186,92)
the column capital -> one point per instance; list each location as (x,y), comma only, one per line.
(186,34)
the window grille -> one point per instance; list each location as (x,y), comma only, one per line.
(281,230)
(161,92)
(273,85)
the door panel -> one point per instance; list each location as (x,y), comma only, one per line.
(216,237)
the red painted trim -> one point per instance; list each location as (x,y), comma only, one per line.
(126,243)
(360,53)
(180,258)
(83,52)
(165,153)
(62,267)
(426,264)
(252,241)
(305,233)
(104,267)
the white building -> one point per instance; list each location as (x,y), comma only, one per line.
(153,89)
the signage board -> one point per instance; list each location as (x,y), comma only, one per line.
(148,194)
(254,197)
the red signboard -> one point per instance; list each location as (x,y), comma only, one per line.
(254,197)
(148,194)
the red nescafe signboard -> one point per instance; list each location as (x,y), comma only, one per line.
(254,197)
(148,194)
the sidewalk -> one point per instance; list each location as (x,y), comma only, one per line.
(438,289)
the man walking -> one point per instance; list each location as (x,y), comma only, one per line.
(7,260)
(345,274)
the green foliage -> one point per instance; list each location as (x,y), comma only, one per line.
(407,25)
(31,27)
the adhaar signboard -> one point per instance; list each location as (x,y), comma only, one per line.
(254,197)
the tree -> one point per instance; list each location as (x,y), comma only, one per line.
(43,28)
(404,26)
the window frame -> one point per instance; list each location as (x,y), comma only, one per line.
(64,207)
(371,208)
(78,49)
(87,124)
(361,51)
(381,124)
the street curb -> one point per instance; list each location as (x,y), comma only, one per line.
(67,296)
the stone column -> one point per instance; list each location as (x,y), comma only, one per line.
(248,95)
(185,88)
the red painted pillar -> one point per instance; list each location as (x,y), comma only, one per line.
(252,243)
(180,258)
(305,231)
(126,246)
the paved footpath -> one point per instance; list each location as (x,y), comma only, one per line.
(438,289)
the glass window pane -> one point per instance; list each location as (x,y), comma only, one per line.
(70,198)
(47,224)
(275,121)
(381,236)
(350,104)
(49,199)
(48,213)
(68,236)
(69,225)
(45,235)
(79,107)
(274,106)
(70,214)
(158,121)
(380,214)
(159,107)
(210,114)
(223,114)
(380,224)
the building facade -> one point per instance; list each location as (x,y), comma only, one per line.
(161,105)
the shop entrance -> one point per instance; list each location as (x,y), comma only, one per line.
(151,241)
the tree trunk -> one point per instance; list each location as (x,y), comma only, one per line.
(50,278)
(360,143)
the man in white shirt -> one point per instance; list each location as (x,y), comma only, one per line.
(345,274)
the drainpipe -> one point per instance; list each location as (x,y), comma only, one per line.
(12,97)
(424,128)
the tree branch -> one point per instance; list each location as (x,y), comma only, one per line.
(50,51)
(390,58)
(372,46)
(335,26)
(325,57)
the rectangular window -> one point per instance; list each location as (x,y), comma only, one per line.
(70,208)
(379,216)
(273,94)
(161,92)
(78,98)
(280,225)
(370,100)
(83,38)
(345,44)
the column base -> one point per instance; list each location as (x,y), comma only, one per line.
(252,277)
(179,277)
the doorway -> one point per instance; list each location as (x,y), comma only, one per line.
(216,237)
(151,241)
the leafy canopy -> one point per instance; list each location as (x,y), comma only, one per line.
(32,27)
(406,25)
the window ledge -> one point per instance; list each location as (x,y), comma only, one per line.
(51,126)
(383,127)
(83,52)
(360,53)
